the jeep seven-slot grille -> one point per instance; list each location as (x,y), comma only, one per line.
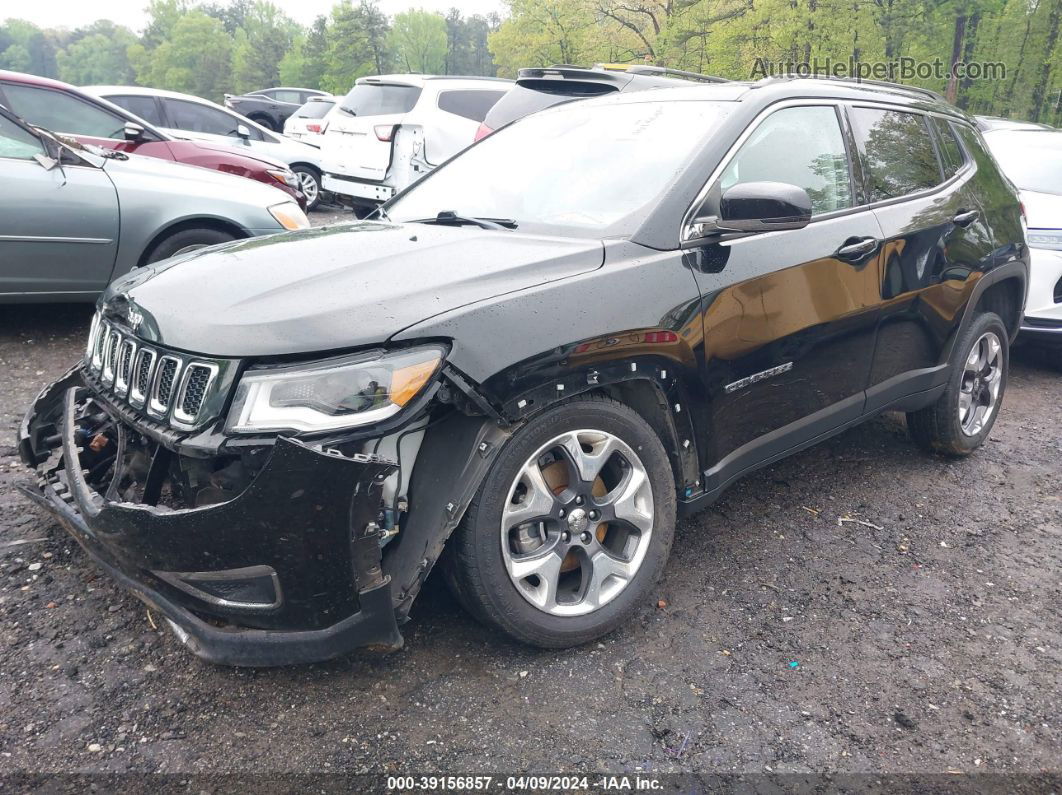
(164,385)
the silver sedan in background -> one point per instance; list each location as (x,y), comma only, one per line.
(75,217)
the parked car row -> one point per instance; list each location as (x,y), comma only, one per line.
(77,216)
(194,118)
(533,358)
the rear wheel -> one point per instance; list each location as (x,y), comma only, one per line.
(961,419)
(187,240)
(265,121)
(570,529)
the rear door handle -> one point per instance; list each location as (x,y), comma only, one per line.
(856,248)
(965,217)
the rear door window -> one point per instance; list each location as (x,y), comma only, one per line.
(800,146)
(472,105)
(950,152)
(61,112)
(141,106)
(380,99)
(898,154)
(194,117)
(294,97)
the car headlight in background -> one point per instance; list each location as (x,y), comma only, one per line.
(289,215)
(333,394)
(1046,238)
(284,176)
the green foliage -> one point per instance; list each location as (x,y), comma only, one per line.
(195,59)
(220,46)
(98,54)
(419,41)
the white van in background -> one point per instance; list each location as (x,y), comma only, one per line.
(391,130)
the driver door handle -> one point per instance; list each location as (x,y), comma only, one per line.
(965,217)
(857,247)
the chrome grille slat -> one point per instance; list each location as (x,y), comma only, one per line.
(166,373)
(167,386)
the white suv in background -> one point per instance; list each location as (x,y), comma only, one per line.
(195,118)
(391,130)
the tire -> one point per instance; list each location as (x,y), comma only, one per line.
(187,240)
(945,427)
(617,562)
(309,184)
(265,121)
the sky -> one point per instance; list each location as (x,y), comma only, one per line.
(75,13)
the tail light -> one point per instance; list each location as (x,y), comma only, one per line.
(482,132)
(316,128)
(661,337)
(385,132)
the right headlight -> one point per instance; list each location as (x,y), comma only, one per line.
(334,394)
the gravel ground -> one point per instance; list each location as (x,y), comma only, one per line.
(860,607)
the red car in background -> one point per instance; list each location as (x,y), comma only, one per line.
(63,109)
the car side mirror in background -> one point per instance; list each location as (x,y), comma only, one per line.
(243,132)
(764,207)
(133,132)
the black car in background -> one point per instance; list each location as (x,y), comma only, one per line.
(540,88)
(531,362)
(271,107)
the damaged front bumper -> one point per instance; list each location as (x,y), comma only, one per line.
(286,571)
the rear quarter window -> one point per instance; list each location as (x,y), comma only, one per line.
(473,105)
(897,150)
(950,152)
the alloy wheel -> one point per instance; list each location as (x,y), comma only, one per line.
(308,186)
(982,377)
(577,522)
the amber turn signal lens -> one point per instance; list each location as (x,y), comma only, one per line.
(408,381)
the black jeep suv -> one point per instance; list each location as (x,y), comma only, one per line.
(530,362)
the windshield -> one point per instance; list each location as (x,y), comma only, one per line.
(1032,160)
(378,99)
(585,168)
(314,109)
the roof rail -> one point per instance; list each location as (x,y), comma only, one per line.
(857,81)
(663,70)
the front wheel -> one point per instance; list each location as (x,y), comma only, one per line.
(309,184)
(187,240)
(571,527)
(961,419)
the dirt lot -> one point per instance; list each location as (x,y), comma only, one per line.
(859,607)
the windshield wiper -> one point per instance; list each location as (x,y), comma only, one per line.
(347,110)
(452,218)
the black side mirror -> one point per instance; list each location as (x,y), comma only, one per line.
(764,207)
(133,132)
(756,207)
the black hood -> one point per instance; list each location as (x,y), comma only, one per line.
(334,287)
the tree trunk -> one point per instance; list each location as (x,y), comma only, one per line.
(967,56)
(956,54)
(1039,95)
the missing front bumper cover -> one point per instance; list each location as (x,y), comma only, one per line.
(293,518)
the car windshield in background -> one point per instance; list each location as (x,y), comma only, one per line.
(379,99)
(1032,160)
(579,168)
(316,109)
(523,100)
